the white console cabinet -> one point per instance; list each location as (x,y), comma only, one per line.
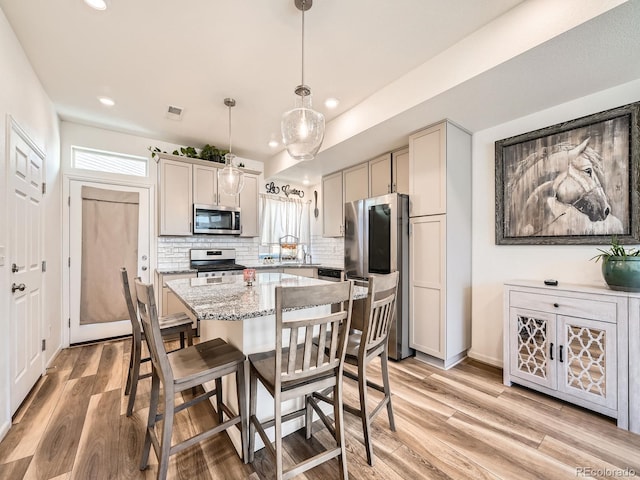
(571,342)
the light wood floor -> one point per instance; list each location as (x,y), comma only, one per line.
(459,424)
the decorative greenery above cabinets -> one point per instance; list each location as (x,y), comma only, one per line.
(208,152)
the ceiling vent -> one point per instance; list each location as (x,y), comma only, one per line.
(174,113)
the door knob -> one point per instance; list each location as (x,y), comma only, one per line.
(14,268)
(144,268)
(20,287)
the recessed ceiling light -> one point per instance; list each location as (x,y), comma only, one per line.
(97,4)
(331,103)
(305,181)
(273,143)
(109,102)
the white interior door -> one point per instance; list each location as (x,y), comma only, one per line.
(25,246)
(79,332)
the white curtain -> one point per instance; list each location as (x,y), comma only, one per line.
(284,216)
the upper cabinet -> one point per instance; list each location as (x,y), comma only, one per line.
(389,173)
(332,206)
(380,176)
(355,183)
(175,197)
(249,207)
(400,171)
(428,165)
(185,181)
(205,188)
(440,163)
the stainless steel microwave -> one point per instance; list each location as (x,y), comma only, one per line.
(216,220)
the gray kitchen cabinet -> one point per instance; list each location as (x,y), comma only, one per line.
(438,155)
(389,173)
(310,272)
(249,207)
(439,293)
(184,181)
(205,188)
(440,244)
(400,171)
(168,302)
(380,182)
(332,206)
(355,182)
(570,342)
(175,197)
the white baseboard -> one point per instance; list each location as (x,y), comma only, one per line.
(4,429)
(485,359)
(53,356)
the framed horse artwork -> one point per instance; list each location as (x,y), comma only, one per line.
(577,182)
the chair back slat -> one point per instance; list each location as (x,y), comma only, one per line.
(151,326)
(322,341)
(379,309)
(306,359)
(129,300)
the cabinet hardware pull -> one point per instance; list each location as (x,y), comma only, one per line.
(551,352)
(556,305)
(560,354)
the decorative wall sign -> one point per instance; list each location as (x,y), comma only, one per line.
(286,189)
(271,188)
(572,183)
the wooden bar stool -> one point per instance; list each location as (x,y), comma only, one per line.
(367,342)
(298,370)
(181,370)
(170,325)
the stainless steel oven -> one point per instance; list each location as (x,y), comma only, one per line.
(215,262)
(216,220)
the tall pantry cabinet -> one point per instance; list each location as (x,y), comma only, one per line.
(440,243)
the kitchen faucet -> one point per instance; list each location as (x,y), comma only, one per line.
(306,256)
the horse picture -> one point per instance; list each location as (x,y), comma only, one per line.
(573,183)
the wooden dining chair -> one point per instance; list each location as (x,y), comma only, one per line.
(368,340)
(297,370)
(170,326)
(184,369)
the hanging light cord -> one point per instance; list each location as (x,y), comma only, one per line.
(304,4)
(229,128)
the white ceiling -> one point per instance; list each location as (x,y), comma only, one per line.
(149,54)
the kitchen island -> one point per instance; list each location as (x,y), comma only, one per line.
(244,316)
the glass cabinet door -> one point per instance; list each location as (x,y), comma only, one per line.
(533,346)
(587,367)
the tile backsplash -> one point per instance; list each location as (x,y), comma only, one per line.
(173,252)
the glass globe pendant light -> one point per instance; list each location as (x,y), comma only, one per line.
(302,127)
(230,178)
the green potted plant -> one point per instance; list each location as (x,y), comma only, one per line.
(620,267)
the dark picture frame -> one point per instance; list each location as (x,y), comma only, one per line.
(576,182)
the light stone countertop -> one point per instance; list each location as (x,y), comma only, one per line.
(210,299)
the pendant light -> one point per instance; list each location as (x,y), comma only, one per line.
(230,178)
(302,127)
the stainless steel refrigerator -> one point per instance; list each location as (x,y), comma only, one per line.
(377,241)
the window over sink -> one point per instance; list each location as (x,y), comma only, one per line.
(282,217)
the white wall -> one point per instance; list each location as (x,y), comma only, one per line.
(22,97)
(492,265)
